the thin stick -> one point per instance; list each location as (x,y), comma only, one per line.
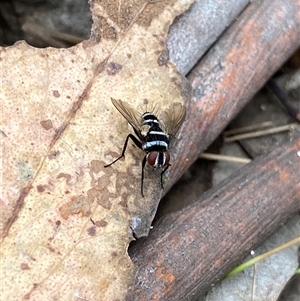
(224,158)
(261,133)
(53,36)
(261,257)
(248,128)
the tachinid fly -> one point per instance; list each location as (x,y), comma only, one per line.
(153,134)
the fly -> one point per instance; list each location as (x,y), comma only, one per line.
(153,132)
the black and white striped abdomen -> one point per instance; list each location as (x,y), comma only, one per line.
(156,140)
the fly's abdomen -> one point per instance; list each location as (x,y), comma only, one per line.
(156,140)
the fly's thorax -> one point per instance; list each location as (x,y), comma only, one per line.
(156,140)
(150,119)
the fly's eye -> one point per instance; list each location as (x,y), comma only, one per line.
(152,158)
(158,159)
(167,158)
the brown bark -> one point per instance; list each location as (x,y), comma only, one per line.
(246,56)
(193,32)
(190,249)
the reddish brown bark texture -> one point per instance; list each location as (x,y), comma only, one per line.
(240,63)
(189,250)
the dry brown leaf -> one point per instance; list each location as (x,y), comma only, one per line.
(58,130)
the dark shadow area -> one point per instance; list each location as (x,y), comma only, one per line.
(44,23)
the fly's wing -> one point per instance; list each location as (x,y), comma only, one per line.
(131,115)
(173,118)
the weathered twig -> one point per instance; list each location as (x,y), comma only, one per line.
(193,33)
(190,249)
(246,56)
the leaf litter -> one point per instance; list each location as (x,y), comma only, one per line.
(66,221)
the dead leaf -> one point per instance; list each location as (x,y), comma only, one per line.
(59,129)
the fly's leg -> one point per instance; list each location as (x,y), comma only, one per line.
(142,182)
(136,142)
(161,175)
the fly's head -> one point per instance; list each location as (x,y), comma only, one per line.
(158,159)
